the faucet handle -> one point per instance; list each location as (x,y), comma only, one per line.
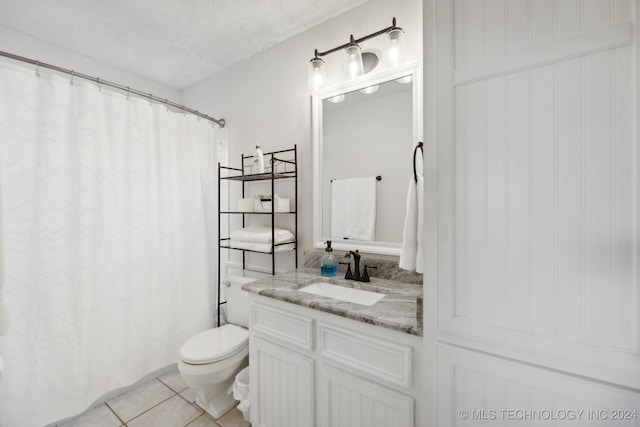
(365,273)
(348,275)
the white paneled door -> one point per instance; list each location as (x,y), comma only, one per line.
(349,401)
(531,136)
(284,395)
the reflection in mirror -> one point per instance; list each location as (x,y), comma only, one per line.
(367,133)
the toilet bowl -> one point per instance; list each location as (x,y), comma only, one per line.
(209,363)
(210,360)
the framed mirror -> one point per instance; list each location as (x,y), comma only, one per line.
(363,159)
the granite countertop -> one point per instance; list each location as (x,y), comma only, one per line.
(398,310)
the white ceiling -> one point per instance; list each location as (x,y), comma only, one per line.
(175,42)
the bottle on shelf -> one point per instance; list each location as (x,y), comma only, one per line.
(258,161)
(329,263)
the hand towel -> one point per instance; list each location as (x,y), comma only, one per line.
(353,208)
(261,234)
(260,247)
(411,254)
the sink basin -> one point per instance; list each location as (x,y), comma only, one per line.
(356,296)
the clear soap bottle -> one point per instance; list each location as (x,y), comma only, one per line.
(258,161)
(329,263)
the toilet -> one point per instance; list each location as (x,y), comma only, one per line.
(210,360)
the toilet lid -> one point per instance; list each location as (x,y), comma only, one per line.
(214,344)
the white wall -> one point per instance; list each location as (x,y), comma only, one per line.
(22,44)
(265,98)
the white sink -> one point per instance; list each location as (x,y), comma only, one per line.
(342,293)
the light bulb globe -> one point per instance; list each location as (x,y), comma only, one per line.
(317,74)
(394,53)
(354,66)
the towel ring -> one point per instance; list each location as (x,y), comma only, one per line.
(415,152)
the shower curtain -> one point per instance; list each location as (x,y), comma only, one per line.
(108,234)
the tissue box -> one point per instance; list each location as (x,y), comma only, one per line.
(245,205)
(262,203)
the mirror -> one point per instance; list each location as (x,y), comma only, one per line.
(362,137)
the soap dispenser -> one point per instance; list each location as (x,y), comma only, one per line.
(329,263)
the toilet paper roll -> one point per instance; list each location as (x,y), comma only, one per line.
(245,205)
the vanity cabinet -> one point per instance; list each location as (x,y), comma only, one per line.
(310,368)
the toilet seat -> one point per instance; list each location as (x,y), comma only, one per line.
(214,345)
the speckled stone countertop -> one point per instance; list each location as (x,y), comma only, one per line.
(398,309)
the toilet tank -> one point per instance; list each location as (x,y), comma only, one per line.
(237,300)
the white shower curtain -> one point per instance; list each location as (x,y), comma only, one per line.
(108,241)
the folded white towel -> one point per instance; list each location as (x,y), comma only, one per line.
(260,247)
(353,208)
(411,253)
(261,234)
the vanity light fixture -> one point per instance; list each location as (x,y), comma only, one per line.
(336,99)
(354,65)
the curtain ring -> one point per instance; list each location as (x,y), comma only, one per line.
(71,80)
(99,87)
(150,100)
(37,68)
(128,92)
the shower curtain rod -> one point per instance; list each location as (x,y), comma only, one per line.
(219,122)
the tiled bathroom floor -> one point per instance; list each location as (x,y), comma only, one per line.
(162,402)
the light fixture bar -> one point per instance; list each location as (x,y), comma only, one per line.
(354,67)
(360,40)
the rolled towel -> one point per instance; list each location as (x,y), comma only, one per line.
(261,234)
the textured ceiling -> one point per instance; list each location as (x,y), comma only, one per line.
(175,42)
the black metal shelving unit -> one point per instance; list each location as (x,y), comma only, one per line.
(273,160)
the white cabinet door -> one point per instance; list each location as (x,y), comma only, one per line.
(348,401)
(282,386)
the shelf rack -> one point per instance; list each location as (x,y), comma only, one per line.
(273,160)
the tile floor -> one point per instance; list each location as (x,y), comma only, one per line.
(162,402)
